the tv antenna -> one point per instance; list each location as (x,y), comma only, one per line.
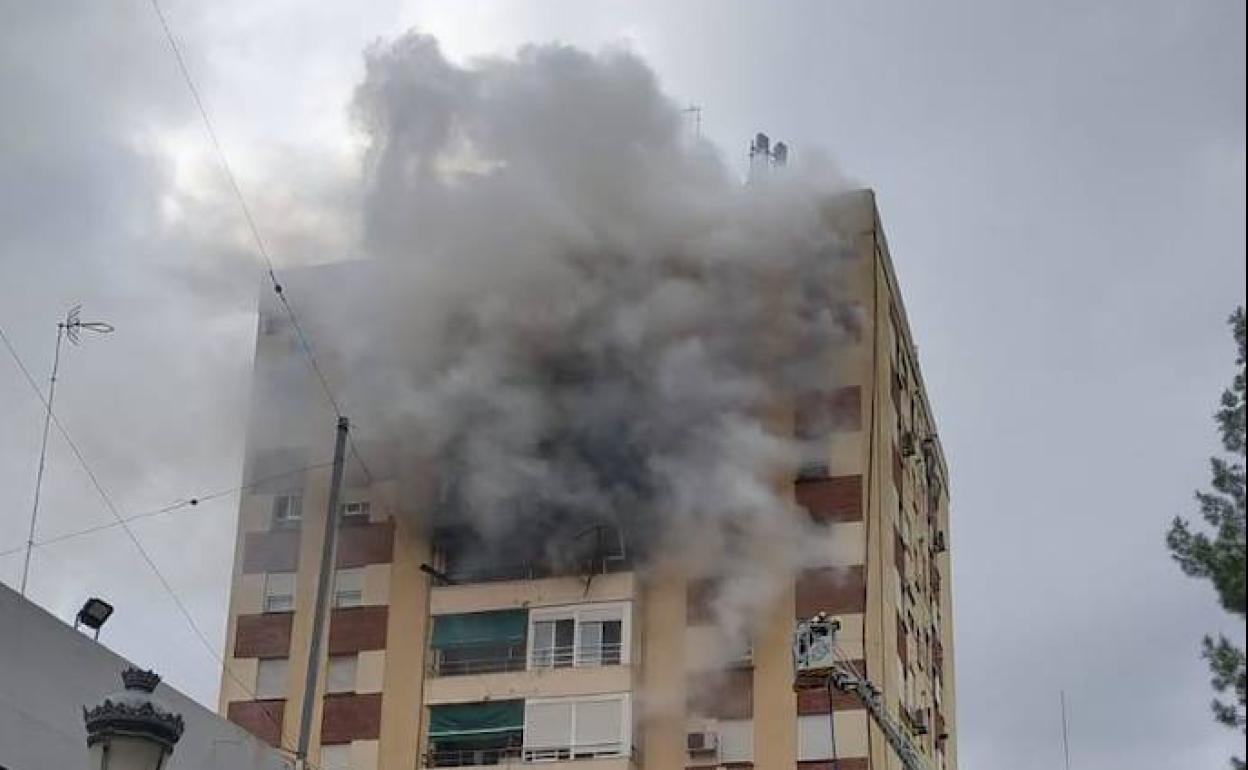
(69,329)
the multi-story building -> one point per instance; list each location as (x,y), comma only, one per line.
(435,658)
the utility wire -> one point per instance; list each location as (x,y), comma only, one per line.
(122,522)
(186,502)
(253,228)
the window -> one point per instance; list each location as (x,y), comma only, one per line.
(340,673)
(479,642)
(576,728)
(814,738)
(271,678)
(736,740)
(470,734)
(592,635)
(279,592)
(287,511)
(336,757)
(354,513)
(348,587)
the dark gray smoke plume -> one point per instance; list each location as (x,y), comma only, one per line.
(588,319)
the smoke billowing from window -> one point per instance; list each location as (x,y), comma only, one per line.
(583,317)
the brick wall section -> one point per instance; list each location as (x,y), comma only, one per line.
(810,702)
(851,763)
(356,629)
(276,551)
(351,717)
(834,590)
(834,499)
(722,694)
(261,718)
(362,544)
(263,636)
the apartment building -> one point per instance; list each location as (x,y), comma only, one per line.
(438,657)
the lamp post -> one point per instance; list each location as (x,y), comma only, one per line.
(131,730)
(70,328)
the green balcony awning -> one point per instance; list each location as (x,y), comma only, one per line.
(467,719)
(508,627)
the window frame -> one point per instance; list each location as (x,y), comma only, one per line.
(279,690)
(280,511)
(582,615)
(569,751)
(267,595)
(354,659)
(338,593)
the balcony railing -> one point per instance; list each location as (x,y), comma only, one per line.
(465,661)
(583,656)
(577,751)
(511,755)
(514,756)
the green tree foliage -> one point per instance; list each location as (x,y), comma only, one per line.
(1218,554)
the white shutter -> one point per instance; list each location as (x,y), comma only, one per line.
(340,673)
(349,587)
(736,740)
(814,738)
(271,678)
(336,757)
(598,726)
(547,729)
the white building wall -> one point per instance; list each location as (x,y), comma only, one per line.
(49,671)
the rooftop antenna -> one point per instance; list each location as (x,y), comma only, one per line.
(69,329)
(695,112)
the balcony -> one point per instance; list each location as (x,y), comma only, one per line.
(479,659)
(583,656)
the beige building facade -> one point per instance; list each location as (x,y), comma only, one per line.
(434,660)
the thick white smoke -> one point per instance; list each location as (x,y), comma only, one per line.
(587,317)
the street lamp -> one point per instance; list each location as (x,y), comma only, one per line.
(94,613)
(131,730)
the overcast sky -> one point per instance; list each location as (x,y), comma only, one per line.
(1062,185)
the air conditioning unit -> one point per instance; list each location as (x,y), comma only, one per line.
(938,543)
(907,444)
(702,742)
(917,718)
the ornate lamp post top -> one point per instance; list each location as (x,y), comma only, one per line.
(133,713)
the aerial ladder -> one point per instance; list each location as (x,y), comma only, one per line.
(819,664)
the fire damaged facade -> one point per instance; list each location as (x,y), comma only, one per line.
(561,642)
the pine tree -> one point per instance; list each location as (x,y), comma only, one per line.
(1219,555)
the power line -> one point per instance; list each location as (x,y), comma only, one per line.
(187,502)
(253,228)
(122,522)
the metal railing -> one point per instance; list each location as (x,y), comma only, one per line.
(514,756)
(574,751)
(583,656)
(507,755)
(479,660)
